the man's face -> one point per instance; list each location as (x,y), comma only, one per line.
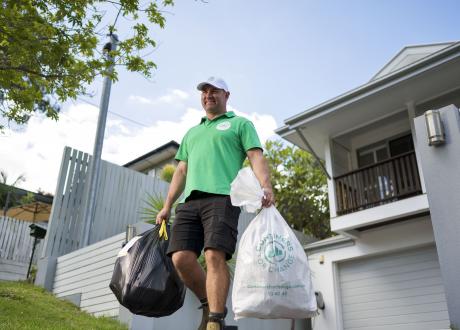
(214,100)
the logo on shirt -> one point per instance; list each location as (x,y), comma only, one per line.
(223,126)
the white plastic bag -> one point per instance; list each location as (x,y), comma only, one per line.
(246,191)
(272,278)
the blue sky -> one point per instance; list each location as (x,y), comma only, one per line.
(278,57)
(282,57)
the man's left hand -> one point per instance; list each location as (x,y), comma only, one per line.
(269,198)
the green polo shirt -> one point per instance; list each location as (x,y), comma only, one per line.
(214,151)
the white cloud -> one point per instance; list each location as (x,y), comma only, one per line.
(37,149)
(265,124)
(174,96)
(121,148)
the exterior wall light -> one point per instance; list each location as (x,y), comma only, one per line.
(435,128)
(320,300)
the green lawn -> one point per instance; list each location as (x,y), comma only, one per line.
(24,306)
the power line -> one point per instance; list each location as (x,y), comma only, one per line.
(116,114)
(129,119)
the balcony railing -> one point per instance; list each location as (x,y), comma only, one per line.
(387,181)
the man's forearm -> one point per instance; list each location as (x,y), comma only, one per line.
(260,168)
(262,172)
(176,187)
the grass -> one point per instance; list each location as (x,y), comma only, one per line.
(24,306)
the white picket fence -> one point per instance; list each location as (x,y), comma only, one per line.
(119,201)
(16,248)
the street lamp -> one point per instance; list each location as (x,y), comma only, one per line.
(93,172)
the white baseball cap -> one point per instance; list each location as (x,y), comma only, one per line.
(213,81)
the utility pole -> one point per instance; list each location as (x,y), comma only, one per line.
(93,175)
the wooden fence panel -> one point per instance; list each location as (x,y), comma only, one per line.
(15,240)
(119,200)
(16,248)
(51,234)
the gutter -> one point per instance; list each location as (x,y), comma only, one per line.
(329,243)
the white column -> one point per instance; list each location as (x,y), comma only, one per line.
(411,112)
(330,182)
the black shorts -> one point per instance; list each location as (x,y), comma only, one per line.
(208,221)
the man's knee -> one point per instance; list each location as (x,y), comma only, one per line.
(214,258)
(183,260)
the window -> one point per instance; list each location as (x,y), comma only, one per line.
(401,145)
(383,150)
(372,155)
(379,152)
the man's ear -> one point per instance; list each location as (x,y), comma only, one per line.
(227,95)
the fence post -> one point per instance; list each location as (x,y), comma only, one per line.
(47,264)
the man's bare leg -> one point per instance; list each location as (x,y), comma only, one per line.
(217,280)
(190,272)
(194,278)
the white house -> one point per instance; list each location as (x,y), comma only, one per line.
(382,270)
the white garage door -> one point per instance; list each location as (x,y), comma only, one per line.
(399,291)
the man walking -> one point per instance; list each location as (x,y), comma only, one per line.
(210,156)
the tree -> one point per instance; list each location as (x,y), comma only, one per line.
(153,205)
(167,172)
(27,198)
(300,188)
(7,191)
(48,50)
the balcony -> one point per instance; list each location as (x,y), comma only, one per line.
(384,182)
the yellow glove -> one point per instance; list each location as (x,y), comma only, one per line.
(163,231)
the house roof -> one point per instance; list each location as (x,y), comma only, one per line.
(154,157)
(409,55)
(390,74)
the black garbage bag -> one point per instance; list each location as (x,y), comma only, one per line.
(144,279)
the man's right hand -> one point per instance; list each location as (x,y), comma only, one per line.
(164,214)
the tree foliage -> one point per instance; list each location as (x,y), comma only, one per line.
(167,172)
(300,188)
(153,205)
(8,196)
(27,198)
(48,49)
